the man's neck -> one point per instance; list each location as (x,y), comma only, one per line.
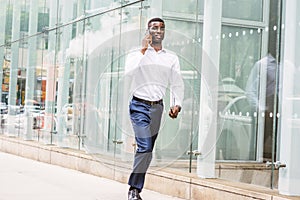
(157,47)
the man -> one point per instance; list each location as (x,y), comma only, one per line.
(153,70)
(265,68)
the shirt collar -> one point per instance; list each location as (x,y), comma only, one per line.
(152,49)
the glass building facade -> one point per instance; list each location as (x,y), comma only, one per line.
(64,82)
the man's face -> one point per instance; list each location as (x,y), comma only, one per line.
(157,30)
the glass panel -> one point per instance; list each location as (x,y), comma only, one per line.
(14,107)
(239,51)
(243,9)
(179,138)
(29,120)
(96,6)
(35,78)
(102,68)
(8,21)
(50,45)
(129,41)
(188,7)
(3,69)
(3,91)
(67,11)
(5,87)
(20,118)
(35,91)
(78,74)
(17,20)
(13,54)
(64,105)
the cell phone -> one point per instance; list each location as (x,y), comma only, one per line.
(147,32)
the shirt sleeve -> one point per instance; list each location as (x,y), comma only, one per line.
(176,84)
(251,90)
(132,60)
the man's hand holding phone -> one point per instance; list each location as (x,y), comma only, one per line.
(147,40)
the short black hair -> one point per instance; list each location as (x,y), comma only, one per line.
(156,19)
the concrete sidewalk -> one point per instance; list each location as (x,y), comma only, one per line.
(26,179)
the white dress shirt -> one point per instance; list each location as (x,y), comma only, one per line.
(154,72)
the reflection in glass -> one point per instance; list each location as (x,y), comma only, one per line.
(237,123)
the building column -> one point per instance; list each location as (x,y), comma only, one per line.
(3,14)
(209,88)
(78,76)
(64,73)
(289,176)
(13,77)
(50,62)
(30,68)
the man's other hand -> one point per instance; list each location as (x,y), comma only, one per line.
(174,111)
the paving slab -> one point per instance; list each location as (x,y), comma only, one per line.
(25,179)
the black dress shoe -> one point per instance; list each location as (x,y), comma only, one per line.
(134,195)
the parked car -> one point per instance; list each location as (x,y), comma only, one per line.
(3,113)
(38,119)
(3,108)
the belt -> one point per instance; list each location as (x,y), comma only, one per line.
(151,103)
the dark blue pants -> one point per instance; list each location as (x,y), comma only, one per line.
(145,121)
